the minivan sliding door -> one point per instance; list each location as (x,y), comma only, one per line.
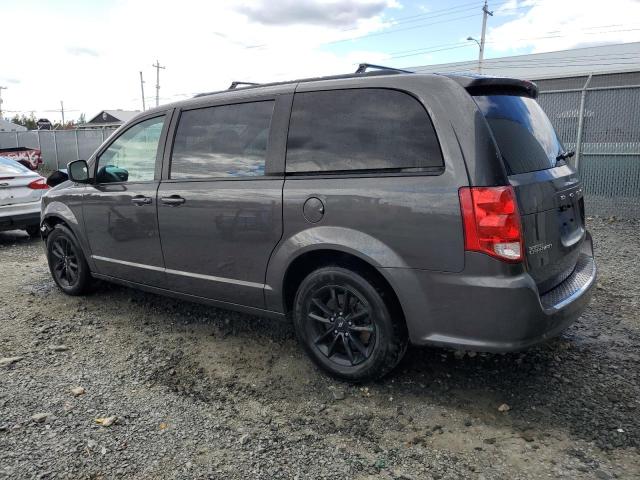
(220,210)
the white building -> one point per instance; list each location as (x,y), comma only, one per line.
(7,126)
(618,58)
(110,118)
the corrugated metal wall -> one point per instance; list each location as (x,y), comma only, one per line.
(599,117)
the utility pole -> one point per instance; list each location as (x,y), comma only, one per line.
(1,88)
(142,88)
(485,14)
(158,67)
(62,112)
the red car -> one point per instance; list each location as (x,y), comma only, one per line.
(29,157)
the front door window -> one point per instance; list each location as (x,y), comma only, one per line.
(132,157)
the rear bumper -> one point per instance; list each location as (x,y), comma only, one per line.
(490,306)
(20,215)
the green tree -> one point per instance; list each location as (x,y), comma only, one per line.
(30,122)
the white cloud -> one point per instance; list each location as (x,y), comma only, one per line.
(557,25)
(92,62)
(311,12)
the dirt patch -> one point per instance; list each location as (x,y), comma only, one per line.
(204,393)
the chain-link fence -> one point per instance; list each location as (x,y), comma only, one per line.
(58,147)
(599,117)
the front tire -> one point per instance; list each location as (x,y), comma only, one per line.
(67,264)
(346,327)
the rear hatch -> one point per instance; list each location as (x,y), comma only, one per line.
(548,190)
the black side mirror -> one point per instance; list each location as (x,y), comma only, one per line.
(57,177)
(78,171)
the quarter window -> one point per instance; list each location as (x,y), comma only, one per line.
(132,156)
(360,129)
(222,141)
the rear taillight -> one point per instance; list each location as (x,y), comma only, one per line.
(491,222)
(38,184)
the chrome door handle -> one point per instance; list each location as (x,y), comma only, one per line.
(173,200)
(141,200)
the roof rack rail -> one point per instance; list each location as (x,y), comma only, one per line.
(235,85)
(362,68)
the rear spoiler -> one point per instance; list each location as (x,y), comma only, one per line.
(477,85)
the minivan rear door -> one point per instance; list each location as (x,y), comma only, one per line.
(549,193)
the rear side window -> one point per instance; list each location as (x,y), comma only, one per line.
(360,129)
(222,141)
(523,132)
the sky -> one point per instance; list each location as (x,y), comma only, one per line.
(88,53)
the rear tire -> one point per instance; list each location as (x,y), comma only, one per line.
(33,231)
(346,327)
(67,264)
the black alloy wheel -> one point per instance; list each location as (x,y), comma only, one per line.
(345,324)
(66,269)
(341,325)
(66,261)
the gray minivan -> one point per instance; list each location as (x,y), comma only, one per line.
(371,210)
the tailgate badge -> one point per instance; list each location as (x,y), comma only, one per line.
(539,248)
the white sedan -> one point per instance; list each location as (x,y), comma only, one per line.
(20,192)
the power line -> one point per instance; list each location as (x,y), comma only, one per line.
(410,53)
(409,19)
(388,32)
(444,12)
(438,12)
(466,44)
(420,18)
(421,49)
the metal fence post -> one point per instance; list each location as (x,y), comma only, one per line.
(583,96)
(17,144)
(77,146)
(55,148)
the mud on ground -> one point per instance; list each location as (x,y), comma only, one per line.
(204,393)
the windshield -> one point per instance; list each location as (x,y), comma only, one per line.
(523,132)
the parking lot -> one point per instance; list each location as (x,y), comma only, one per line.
(203,393)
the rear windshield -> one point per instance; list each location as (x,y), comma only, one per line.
(525,136)
(10,167)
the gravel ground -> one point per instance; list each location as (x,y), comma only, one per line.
(198,392)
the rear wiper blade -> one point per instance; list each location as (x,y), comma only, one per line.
(565,155)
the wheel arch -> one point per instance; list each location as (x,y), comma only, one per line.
(58,213)
(310,260)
